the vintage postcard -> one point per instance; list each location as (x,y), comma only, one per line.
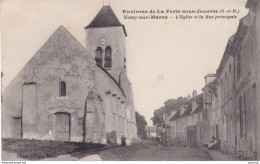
(121,80)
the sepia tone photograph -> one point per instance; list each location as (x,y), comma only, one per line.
(139,80)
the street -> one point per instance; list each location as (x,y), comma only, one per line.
(160,153)
(147,150)
(151,151)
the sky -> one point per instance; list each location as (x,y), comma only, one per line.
(165,58)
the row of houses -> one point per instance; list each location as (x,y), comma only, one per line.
(229,106)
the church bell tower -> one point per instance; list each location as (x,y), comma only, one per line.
(106,41)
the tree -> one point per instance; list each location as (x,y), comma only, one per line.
(158,117)
(169,105)
(140,123)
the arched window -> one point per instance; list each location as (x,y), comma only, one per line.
(108,57)
(62,88)
(98,56)
(240,116)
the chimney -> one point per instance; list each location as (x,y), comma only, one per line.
(209,78)
(194,93)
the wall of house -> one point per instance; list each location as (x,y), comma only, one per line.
(227,103)
(246,87)
(256,78)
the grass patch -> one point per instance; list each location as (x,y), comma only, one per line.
(38,149)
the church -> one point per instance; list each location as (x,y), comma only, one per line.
(67,92)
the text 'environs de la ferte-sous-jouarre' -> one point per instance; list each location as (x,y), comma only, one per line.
(181,14)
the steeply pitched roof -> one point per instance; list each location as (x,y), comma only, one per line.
(188,110)
(105,18)
(176,115)
(198,99)
(198,109)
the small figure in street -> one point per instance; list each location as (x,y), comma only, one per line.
(214,144)
(123,142)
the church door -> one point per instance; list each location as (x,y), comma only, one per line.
(17,128)
(62,126)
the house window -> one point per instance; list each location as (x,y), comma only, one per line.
(240,116)
(62,88)
(205,114)
(200,132)
(108,57)
(238,66)
(254,98)
(254,101)
(217,131)
(98,56)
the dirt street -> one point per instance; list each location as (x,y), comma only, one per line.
(151,151)
(170,154)
(143,151)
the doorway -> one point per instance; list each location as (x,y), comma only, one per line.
(17,128)
(62,126)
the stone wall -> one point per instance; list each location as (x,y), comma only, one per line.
(119,118)
(115,38)
(61,58)
(96,105)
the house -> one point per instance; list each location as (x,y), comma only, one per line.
(237,81)
(212,126)
(246,53)
(225,75)
(181,126)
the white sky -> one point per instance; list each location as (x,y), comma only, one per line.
(166,58)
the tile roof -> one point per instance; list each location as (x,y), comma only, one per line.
(105,18)
(199,100)
(198,109)
(176,115)
(187,112)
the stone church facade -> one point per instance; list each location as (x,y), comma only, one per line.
(67,92)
